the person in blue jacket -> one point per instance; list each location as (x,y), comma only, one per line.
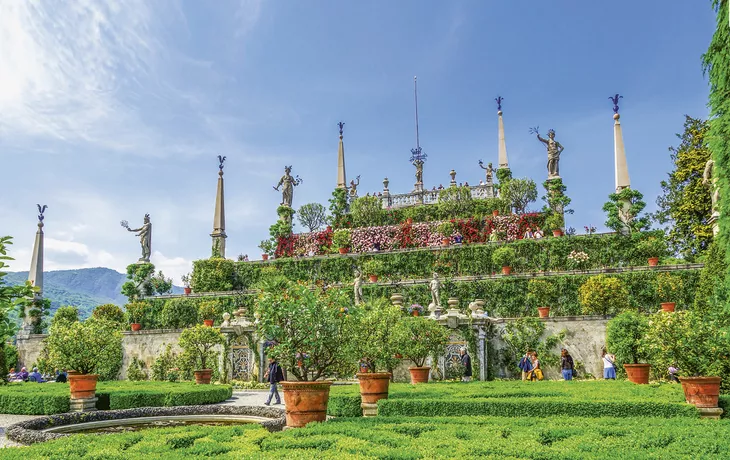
(274,375)
(525,364)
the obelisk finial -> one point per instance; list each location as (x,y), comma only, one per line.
(417,155)
(218,247)
(502,147)
(342,127)
(499,100)
(341,175)
(615,99)
(621,167)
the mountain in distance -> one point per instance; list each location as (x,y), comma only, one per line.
(84,288)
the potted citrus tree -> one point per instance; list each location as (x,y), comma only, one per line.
(310,331)
(554,223)
(418,338)
(625,335)
(86,348)
(341,240)
(198,343)
(374,343)
(373,268)
(135,312)
(186,283)
(603,295)
(267,248)
(669,289)
(207,311)
(652,248)
(445,229)
(504,257)
(541,294)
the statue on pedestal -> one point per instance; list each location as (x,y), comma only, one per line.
(435,285)
(358,287)
(554,149)
(489,171)
(353,187)
(145,237)
(709,180)
(419,172)
(288,182)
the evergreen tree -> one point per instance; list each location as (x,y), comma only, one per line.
(685,205)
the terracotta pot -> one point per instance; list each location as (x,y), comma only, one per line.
(419,374)
(83,386)
(415,313)
(398,356)
(343,250)
(374,386)
(305,402)
(264,257)
(208,322)
(495,213)
(187,290)
(544,312)
(668,306)
(557,233)
(373,278)
(506,270)
(445,241)
(202,377)
(701,391)
(638,373)
(136,326)
(653,261)
(409,221)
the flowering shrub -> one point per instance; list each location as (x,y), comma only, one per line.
(603,295)
(578,260)
(669,287)
(415,307)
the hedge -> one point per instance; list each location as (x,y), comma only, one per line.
(547,254)
(410,438)
(53,398)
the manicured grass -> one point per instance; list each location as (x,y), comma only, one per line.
(412,438)
(53,398)
(593,398)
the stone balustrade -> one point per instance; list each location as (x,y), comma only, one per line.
(404,200)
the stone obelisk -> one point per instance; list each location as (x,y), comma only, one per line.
(35,274)
(219,219)
(503,163)
(341,176)
(619,153)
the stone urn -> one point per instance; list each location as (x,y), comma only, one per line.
(397,300)
(373,386)
(306,402)
(701,391)
(83,386)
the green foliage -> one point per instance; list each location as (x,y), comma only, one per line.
(707,296)
(603,295)
(366,211)
(554,221)
(179,313)
(417,338)
(198,342)
(213,275)
(341,238)
(91,347)
(338,206)
(373,267)
(11,356)
(135,370)
(267,246)
(446,229)
(111,313)
(504,175)
(208,310)
(555,198)
(519,193)
(629,204)
(311,329)
(139,284)
(67,314)
(685,204)
(528,334)
(504,256)
(280,228)
(373,339)
(540,293)
(625,337)
(652,247)
(12,298)
(669,287)
(38,311)
(136,311)
(164,366)
(312,216)
(454,201)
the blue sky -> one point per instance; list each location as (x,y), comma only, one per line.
(110,110)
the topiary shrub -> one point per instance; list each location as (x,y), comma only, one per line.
(603,295)
(669,287)
(135,371)
(89,347)
(504,256)
(164,368)
(65,315)
(179,313)
(540,293)
(111,313)
(208,310)
(420,337)
(625,338)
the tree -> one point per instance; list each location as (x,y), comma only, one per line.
(312,216)
(338,207)
(685,205)
(143,282)
(366,211)
(519,193)
(623,211)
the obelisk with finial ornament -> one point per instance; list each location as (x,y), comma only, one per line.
(219,219)
(341,176)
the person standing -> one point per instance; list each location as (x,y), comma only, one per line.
(525,364)
(536,372)
(466,362)
(609,366)
(273,375)
(566,364)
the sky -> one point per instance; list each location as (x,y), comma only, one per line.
(113,109)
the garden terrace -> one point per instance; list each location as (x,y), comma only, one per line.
(53,398)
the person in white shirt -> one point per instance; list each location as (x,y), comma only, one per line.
(609,365)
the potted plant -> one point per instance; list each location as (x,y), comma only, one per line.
(445,229)
(495,212)
(603,295)
(625,339)
(267,248)
(374,343)
(312,332)
(541,293)
(555,223)
(86,348)
(198,343)
(669,289)
(136,312)
(186,283)
(652,248)
(373,268)
(341,240)
(504,257)
(415,310)
(418,338)
(207,311)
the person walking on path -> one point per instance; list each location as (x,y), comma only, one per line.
(609,366)
(525,364)
(566,364)
(466,361)
(273,375)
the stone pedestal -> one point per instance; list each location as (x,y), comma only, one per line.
(369,410)
(710,412)
(83,405)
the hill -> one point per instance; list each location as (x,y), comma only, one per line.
(84,288)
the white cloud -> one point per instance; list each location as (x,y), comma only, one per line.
(172,267)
